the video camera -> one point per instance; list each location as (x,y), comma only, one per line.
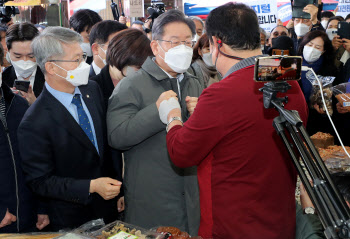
(156,9)
(6,12)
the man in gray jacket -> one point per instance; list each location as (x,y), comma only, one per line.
(157,193)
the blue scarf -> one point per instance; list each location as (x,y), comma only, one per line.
(306,85)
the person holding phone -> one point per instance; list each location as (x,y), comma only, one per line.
(20,211)
(18,40)
(301,26)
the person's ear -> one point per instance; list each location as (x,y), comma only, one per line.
(214,47)
(95,49)
(200,52)
(155,47)
(49,67)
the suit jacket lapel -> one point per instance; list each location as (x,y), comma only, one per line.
(63,118)
(91,105)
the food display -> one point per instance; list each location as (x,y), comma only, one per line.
(119,230)
(335,158)
(322,140)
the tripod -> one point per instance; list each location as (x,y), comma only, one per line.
(331,207)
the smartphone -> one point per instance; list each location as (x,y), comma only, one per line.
(277,68)
(298,6)
(344,30)
(22,85)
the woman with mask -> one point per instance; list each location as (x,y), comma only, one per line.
(202,66)
(20,54)
(318,54)
(123,57)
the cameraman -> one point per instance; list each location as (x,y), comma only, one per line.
(247,181)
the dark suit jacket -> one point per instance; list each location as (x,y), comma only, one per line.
(105,82)
(92,72)
(9,76)
(59,160)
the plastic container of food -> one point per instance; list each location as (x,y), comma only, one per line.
(121,230)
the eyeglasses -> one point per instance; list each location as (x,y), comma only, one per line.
(80,60)
(175,43)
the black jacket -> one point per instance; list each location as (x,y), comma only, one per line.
(9,76)
(14,195)
(105,82)
(92,72)
(60,161)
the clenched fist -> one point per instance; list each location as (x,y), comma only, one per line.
(165,96)
(191,103)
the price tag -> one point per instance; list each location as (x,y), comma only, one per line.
(346,104)
(123,235)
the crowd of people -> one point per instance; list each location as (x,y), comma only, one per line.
(160,124)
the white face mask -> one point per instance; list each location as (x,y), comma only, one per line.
(23,68)
(331,32)
(324,23)
(78,76)
(86,48)
(207,59)
(8,57)
(196,37)
(301,29)
(103,60)
(178,58)
(311,54)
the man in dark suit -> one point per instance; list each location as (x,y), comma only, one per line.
(82,22)
(20,55)
(100,36)
(62,137)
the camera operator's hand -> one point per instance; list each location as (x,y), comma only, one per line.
(122,20)
(336,42)
(148,23)
(312,10)
(290,24)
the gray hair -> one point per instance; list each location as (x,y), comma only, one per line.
(170,17)
(49,44)
(198,19)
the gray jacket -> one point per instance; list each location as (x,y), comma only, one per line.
(157,193)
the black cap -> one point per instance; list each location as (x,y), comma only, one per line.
(283,43)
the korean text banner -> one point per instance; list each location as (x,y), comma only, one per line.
(265,9)
(343,8)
